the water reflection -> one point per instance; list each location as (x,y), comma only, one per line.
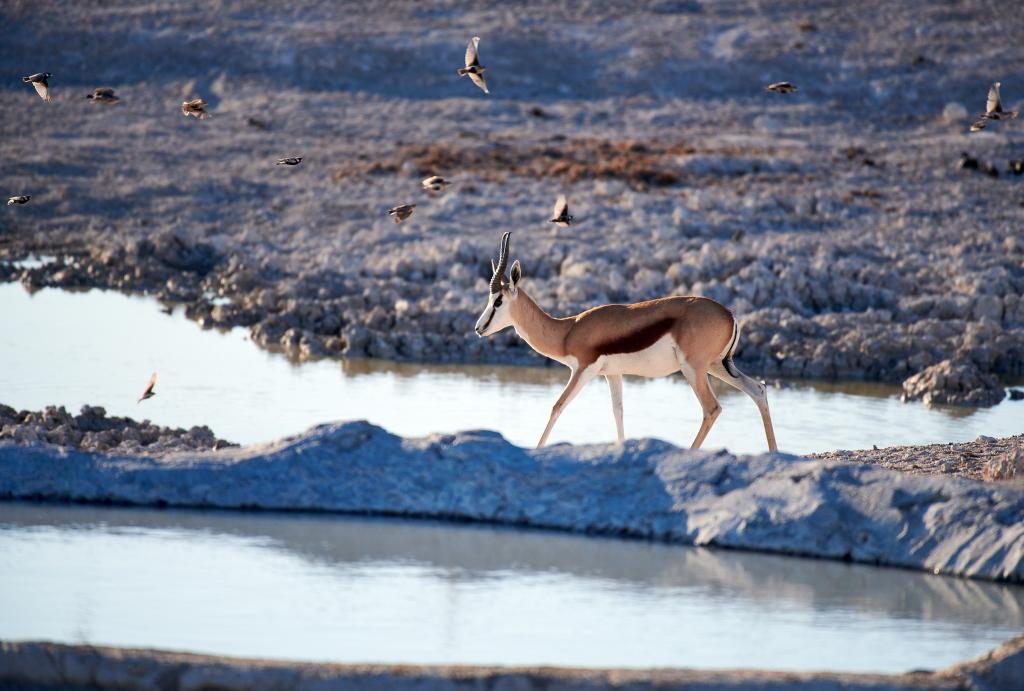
(324,587)
(98,348)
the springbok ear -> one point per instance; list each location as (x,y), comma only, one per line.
(516,273)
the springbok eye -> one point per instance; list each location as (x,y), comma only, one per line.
(497,303)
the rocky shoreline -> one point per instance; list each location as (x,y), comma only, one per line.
(644,489)
(92,430)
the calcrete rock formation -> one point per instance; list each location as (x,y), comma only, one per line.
(92,430)
(645,489)
(954,383)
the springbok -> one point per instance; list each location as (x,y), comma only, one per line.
(649,339)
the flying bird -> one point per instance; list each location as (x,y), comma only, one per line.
(148,392)
(103,95)
(196,108)
(473,67)
(290,161)
(435,183)
(782,87)
(20,199)
(38,80)
(993,109)
(560,215)
(401,212)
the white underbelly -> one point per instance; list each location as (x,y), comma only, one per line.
(657,360)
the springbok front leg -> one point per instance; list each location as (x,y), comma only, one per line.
(579,379)
(757,392)
(615,386)
(698,380)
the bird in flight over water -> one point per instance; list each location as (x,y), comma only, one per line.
(149,392)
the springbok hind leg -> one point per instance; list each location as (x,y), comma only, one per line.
(579,379)
(698,380)
(757,392)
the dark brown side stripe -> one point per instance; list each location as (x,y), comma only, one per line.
(636,341)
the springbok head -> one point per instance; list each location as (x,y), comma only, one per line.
(504,291)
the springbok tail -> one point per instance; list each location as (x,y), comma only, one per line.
(727,360)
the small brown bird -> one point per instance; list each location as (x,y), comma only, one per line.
(20,199)
(148,392)
(473,67)
(290,161)
(993,109)
(435,183)
(196,108)
(38,80)
(103,95)
(402,212)
(781,87)
(560,215)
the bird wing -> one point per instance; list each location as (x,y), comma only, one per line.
(993,105)
(561,206)
(478,79)
(432,180)
(472,56)
(43,90)
(978,125)
(150,385)
(103,92)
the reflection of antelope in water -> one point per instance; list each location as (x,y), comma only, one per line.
(650,339)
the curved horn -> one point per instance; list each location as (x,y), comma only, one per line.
(499,270)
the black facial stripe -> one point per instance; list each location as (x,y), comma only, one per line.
(488,322)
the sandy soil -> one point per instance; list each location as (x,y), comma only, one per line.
(986,458)
(837,222)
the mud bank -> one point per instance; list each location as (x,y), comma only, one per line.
(645,489)
(67,667)
(837,223)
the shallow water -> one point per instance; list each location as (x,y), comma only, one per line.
(363,590)
(98,348)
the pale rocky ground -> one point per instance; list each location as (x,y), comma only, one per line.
(645,489)
(985,458)
(92,430)
(836,222)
